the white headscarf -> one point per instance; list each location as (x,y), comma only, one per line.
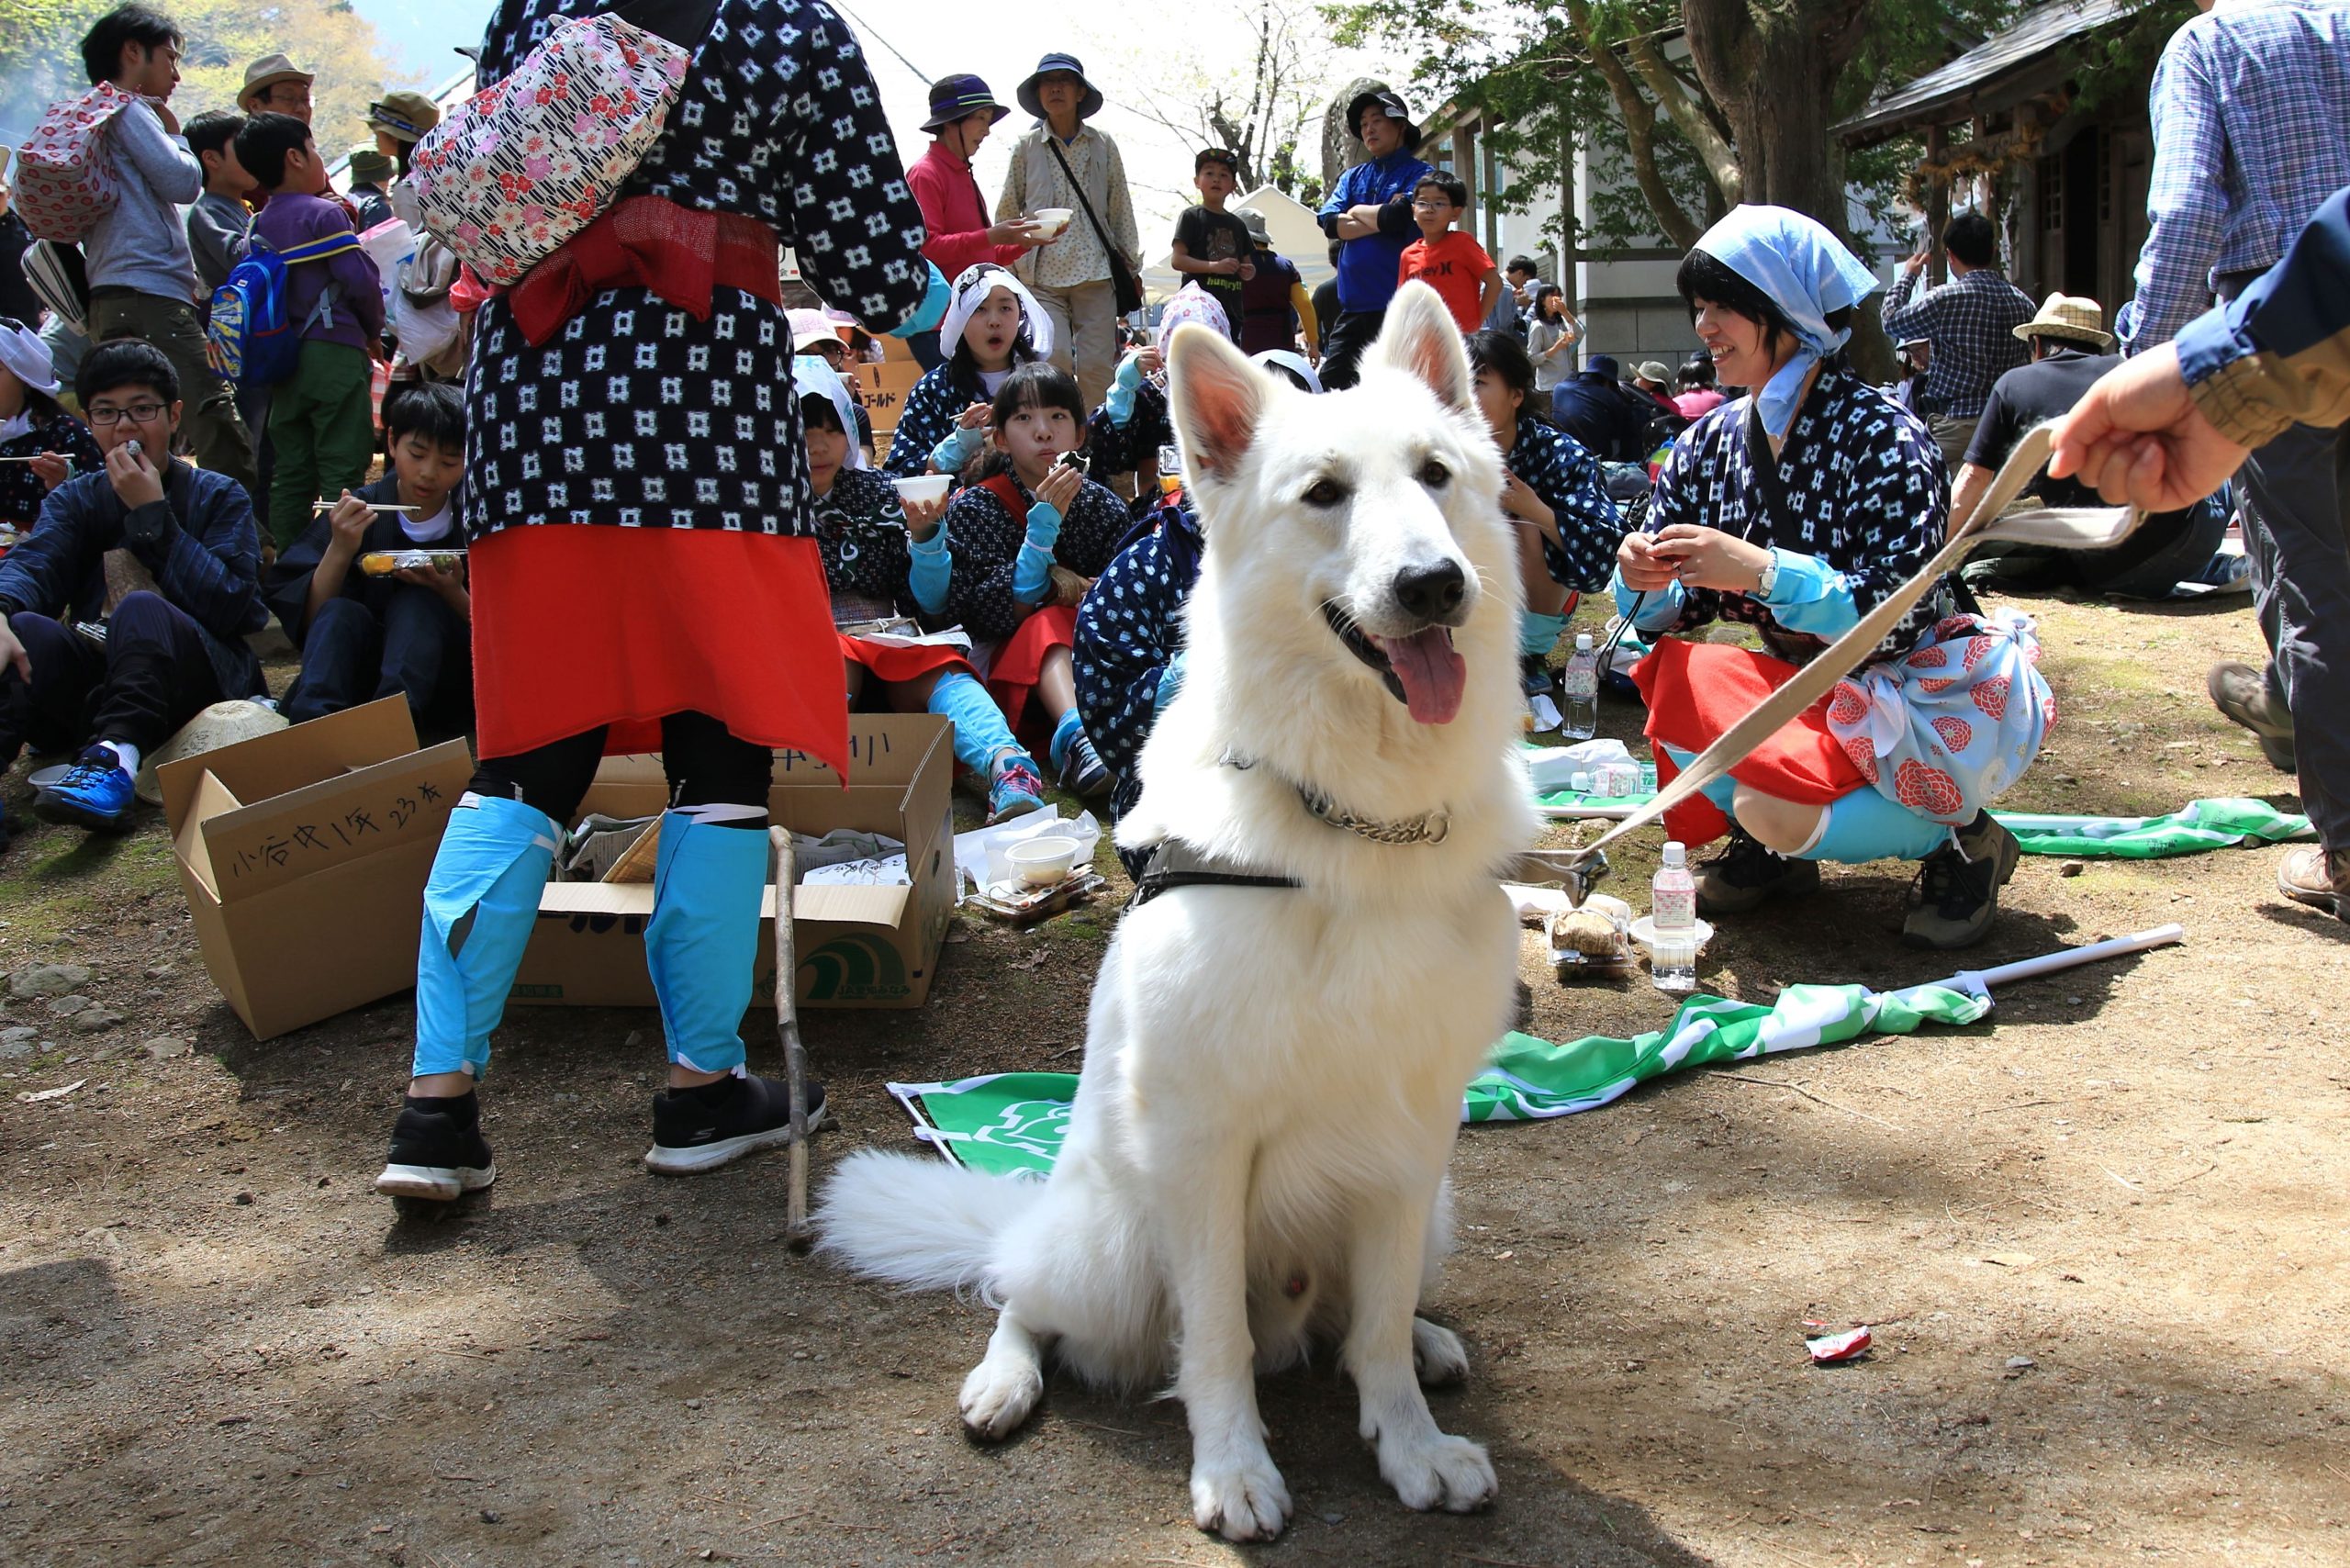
(969,291)
(1806,272)
(1291,362)
(26,357)
(810,375)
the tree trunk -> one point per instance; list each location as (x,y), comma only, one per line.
(1639,129)
(1773,71)
(1713,149)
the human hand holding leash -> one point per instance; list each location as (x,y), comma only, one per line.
(2137,437)
(1642,569)
(1708,558)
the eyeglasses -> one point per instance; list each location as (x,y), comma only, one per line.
(137,413)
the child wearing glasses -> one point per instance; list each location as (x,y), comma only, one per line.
(1446,259)
(125,614)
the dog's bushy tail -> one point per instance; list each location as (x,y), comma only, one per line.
(920,1222)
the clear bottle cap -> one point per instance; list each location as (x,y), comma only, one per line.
(1675,855)
(1582,642)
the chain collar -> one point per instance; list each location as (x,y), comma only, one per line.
(1433,827)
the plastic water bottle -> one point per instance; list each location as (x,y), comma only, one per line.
(1673,914)
(1579,691)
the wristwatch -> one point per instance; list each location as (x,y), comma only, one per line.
(1768,576)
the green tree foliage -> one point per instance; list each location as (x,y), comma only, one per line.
(40,58)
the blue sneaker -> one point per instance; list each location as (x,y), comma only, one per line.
(1016,789)
(97,793)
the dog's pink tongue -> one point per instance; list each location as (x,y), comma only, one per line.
(1433,673)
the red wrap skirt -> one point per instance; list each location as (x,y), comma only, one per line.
(1696,691)
(576,626)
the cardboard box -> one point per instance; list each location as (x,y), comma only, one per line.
(854,946)
(304,855)
(885,386)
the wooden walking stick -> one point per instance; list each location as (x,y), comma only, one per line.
(796,1233)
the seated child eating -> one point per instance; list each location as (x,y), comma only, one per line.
(995,325)
(1025,541)
(365,635)
(41,444)
(124,614)
(1551,487)
(873,567)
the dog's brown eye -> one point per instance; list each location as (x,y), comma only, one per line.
(1434,474)
(1325,493)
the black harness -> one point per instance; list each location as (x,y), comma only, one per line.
(1174,864)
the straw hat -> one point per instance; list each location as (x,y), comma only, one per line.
(2070,317)
(267,71)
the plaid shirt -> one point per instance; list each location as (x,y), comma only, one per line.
(2250,103)
(1972,322)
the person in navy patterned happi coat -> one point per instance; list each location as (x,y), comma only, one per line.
(1130,647)
(644,563)
(1800,509)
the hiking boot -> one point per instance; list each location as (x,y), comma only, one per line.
(2309,875)
(97,792)
(1745,874)
(2241,693)
(712,1125)
(1016,789)
(437,1151)
(1082,770)
(1958,887)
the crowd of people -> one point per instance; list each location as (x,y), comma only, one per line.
(656,516)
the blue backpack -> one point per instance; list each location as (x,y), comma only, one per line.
(249,340)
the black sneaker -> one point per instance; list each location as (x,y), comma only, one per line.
(1958,887)
(438,1151)
(1534,675)
(1082,770)
(716,1124)
(1745,873)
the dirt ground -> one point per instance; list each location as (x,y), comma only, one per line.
(2101,1238)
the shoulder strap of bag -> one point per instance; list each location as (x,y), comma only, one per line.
(1053,145)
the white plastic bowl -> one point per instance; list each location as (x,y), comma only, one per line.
(1052,220)
(928,487)
(1041,862)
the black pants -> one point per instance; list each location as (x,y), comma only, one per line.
(419,649)
(706,765)
(1342,349)
(151,675)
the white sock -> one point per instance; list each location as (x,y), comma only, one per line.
(126,754)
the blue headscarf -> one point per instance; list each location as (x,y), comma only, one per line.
(1806,272)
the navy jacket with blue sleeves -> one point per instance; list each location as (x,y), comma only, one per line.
(1129,629)
(983,539)
(199,541)
(1559,469)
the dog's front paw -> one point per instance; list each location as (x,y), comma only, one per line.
(999,1394)
(1248,1501)
(1439,1472)
(1437,1355)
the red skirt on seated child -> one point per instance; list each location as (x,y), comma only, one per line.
(1696,691)
(888,661)
(578,625)
(1019,661)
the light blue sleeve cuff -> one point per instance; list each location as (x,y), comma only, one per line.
(949,455)
(1808,595)
(1658,612)
(1170,680)
(1032,573)
(930,571)
(931,311)
(1120,404)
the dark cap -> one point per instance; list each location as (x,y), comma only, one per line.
(960,97)
(1388,104)
(1208,155)
(1086,107)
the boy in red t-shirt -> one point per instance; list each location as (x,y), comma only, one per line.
(1452,264)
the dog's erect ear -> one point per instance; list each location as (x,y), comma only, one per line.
(1421,340)
(1216,396)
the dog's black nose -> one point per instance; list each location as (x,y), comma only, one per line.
(1432,591)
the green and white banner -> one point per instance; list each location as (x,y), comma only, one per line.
(1013,1123)
(2228,824)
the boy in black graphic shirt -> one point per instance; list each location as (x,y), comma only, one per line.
(1212,245)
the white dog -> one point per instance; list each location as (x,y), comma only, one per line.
(1272,1076)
